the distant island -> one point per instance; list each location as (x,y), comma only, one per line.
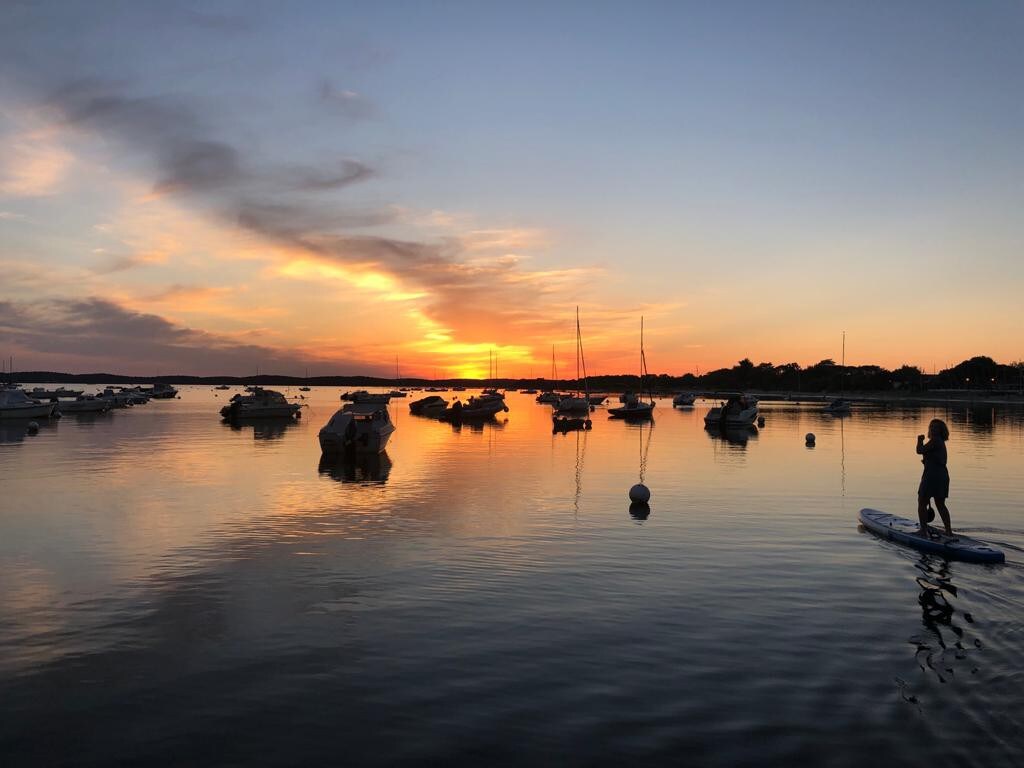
(979,375)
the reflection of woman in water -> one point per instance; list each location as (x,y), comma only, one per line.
(935,479)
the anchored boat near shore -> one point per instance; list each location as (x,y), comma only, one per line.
(15,404)
(357,428)
(261,403)
(634,407)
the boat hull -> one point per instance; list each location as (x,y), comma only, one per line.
(333,444)
(85,406)
(745,418)
(573,405)
(638,411)
(34,411)
(274,412)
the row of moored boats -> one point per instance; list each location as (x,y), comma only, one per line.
(42,403)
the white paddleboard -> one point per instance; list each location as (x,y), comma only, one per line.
(906,532)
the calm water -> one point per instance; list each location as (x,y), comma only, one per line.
(175,591)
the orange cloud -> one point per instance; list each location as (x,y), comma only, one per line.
(32,163)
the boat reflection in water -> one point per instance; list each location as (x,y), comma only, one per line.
(357,467)
(262,428)
(478,424)
(15,430)
(732,435)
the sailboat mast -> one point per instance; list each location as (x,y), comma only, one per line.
(583,359)
(641,355)
(577,351)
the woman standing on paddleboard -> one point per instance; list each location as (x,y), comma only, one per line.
(935,479)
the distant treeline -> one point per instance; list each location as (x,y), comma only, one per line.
(977,373)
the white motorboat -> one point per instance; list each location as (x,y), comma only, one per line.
(482,407)
(357,427)
(135,395)
(573,404)
(122,399)
(160,391)
(684,400)
(263,404)
(85,404)
(15,404)
(432,405)
(739,411)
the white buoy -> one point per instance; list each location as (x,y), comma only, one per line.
(33,427)
(809,438)
(760,421)
(640,493)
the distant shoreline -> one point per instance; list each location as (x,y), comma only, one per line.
(597,384)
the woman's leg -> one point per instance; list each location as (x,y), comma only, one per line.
(922,513)
(944,514)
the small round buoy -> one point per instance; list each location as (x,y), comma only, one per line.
(640,493)
(33,427)
(760,421)
(809,438)
(638,510)
(588,424)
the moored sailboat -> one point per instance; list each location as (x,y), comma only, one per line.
(579,402)
(634,407)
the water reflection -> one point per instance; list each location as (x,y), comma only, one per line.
(16,430)
(13,430)
(639,510)
(459,593)
(357,468)
(262,429)
(980,420)
(943,642)
(478,425)
(736,436)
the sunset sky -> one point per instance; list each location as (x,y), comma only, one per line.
(207,188)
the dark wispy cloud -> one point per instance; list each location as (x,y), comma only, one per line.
(98,332)
(291,205)
(275,202)
(347,172)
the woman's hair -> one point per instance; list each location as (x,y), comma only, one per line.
(940,429)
